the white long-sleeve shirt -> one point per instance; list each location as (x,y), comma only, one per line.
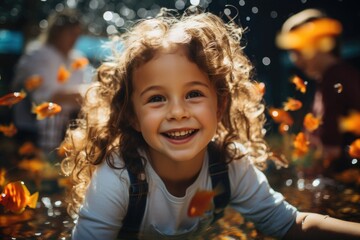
(165,215)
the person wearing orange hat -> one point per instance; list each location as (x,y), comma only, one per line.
(313,42)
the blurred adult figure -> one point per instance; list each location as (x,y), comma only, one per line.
(313,41)
(43,58)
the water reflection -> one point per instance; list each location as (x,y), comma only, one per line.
(326,196)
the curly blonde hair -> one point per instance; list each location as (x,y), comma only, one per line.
(104,128)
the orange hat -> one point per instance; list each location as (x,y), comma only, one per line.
(308,29)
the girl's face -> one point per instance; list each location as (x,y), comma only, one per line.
(175,106)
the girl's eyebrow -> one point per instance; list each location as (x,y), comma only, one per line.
(158,87)
(154,87)
(195,83)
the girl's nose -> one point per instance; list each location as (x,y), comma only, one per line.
(177,110)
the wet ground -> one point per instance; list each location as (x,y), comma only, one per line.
(50,220)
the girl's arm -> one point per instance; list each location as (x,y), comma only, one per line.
(317,226)
(104,206)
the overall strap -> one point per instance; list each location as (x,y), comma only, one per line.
(219,175)
(138,191)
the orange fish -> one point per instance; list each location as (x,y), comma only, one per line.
(354,149)
(33,82)
(28,148)
(12,98)
(46,109)
(202,201)
(63,74)
(15,197)
(299,84)
(32,165)
(283,128)
(64,182)
(281,116)
(292,104)
(2,176)
(311,123)
(9,130)
(350,123)
(79,63)
(301,145)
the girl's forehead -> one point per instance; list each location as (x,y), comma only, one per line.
(171,48)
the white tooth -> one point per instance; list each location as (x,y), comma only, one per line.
(180,133)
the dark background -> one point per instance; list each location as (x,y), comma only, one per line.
(262,20)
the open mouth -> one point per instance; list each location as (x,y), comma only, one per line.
(178,135)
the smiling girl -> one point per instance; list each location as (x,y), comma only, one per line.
(176,102)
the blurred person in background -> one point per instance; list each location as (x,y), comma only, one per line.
(313,42)
(50,70)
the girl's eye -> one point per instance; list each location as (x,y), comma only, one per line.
(156,98)
(194,94)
